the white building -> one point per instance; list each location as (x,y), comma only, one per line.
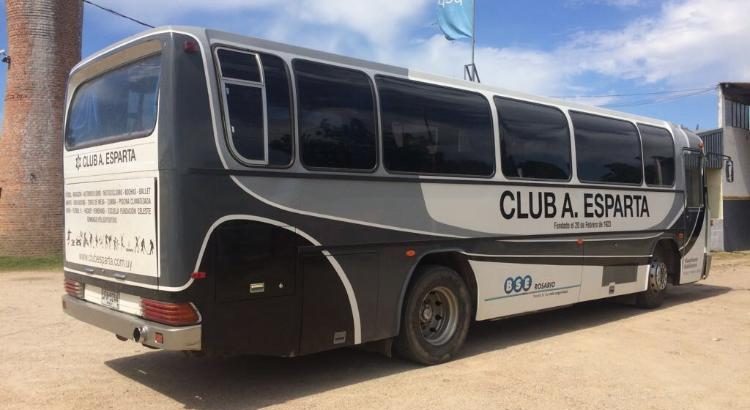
(730,201)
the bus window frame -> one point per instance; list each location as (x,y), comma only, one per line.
(643,154)
(376,119)
(119,137)
(640,184)
(292,109)
(686,151)
(568,126)
(225,104)
(493,129)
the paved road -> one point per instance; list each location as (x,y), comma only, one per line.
(694,353)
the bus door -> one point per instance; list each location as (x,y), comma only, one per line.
(694,218)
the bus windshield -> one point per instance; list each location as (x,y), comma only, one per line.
(120,104)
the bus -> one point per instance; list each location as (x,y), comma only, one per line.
(232,195)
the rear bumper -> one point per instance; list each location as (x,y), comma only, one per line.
(123,325)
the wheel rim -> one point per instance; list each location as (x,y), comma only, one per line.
(438,316)
(658,276)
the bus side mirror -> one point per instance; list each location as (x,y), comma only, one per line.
(730,170)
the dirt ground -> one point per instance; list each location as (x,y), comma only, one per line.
(693,353)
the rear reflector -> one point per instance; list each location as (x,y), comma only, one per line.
(73,288)
(175,314)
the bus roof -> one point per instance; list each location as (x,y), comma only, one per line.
(212,35)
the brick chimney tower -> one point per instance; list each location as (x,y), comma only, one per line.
(44,43)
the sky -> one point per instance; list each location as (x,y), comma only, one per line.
(598,52)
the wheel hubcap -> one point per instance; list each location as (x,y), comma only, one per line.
(438,316)
(658,276)
(427,313)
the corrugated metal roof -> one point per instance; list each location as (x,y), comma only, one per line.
(736,114)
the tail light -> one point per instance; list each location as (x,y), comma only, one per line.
(74,288)
(190,47)
(175,314)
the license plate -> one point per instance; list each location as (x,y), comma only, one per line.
(110,299)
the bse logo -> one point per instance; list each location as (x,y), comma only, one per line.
(518,284)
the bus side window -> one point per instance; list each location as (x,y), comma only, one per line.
(430,129)
(534,140)
(336,117)
(658,155)
(607,150)
(258,106)
(238,65)
(244,96)
(278,110)
(246,127)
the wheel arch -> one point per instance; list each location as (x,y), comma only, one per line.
(450,258)
(215,230)
(671,251)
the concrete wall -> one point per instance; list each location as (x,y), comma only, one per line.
(714,183)
(716,240)
(737,146)
(714,180)
(736,195)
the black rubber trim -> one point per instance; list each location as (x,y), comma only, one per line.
(113,274)
(459,243)
(405,178)
(624,260)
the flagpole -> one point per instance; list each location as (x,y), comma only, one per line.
(470,70)
(474,75)
(474,33)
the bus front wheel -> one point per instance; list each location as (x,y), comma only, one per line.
(436,316)
(658,276)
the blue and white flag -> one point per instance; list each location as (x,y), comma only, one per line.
(456,18)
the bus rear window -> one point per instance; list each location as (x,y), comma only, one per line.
(120,104)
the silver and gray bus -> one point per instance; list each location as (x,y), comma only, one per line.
(231,195)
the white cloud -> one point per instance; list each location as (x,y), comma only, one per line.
(163,12)
(692,43)
(514,68)
(695,42)
(377,20)
(161,9)
(686,43)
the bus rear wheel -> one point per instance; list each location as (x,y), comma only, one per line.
(436,316)
(658,276)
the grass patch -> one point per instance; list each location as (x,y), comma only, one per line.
(12,263)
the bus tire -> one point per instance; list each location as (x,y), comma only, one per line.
(436,316)
(658,275)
